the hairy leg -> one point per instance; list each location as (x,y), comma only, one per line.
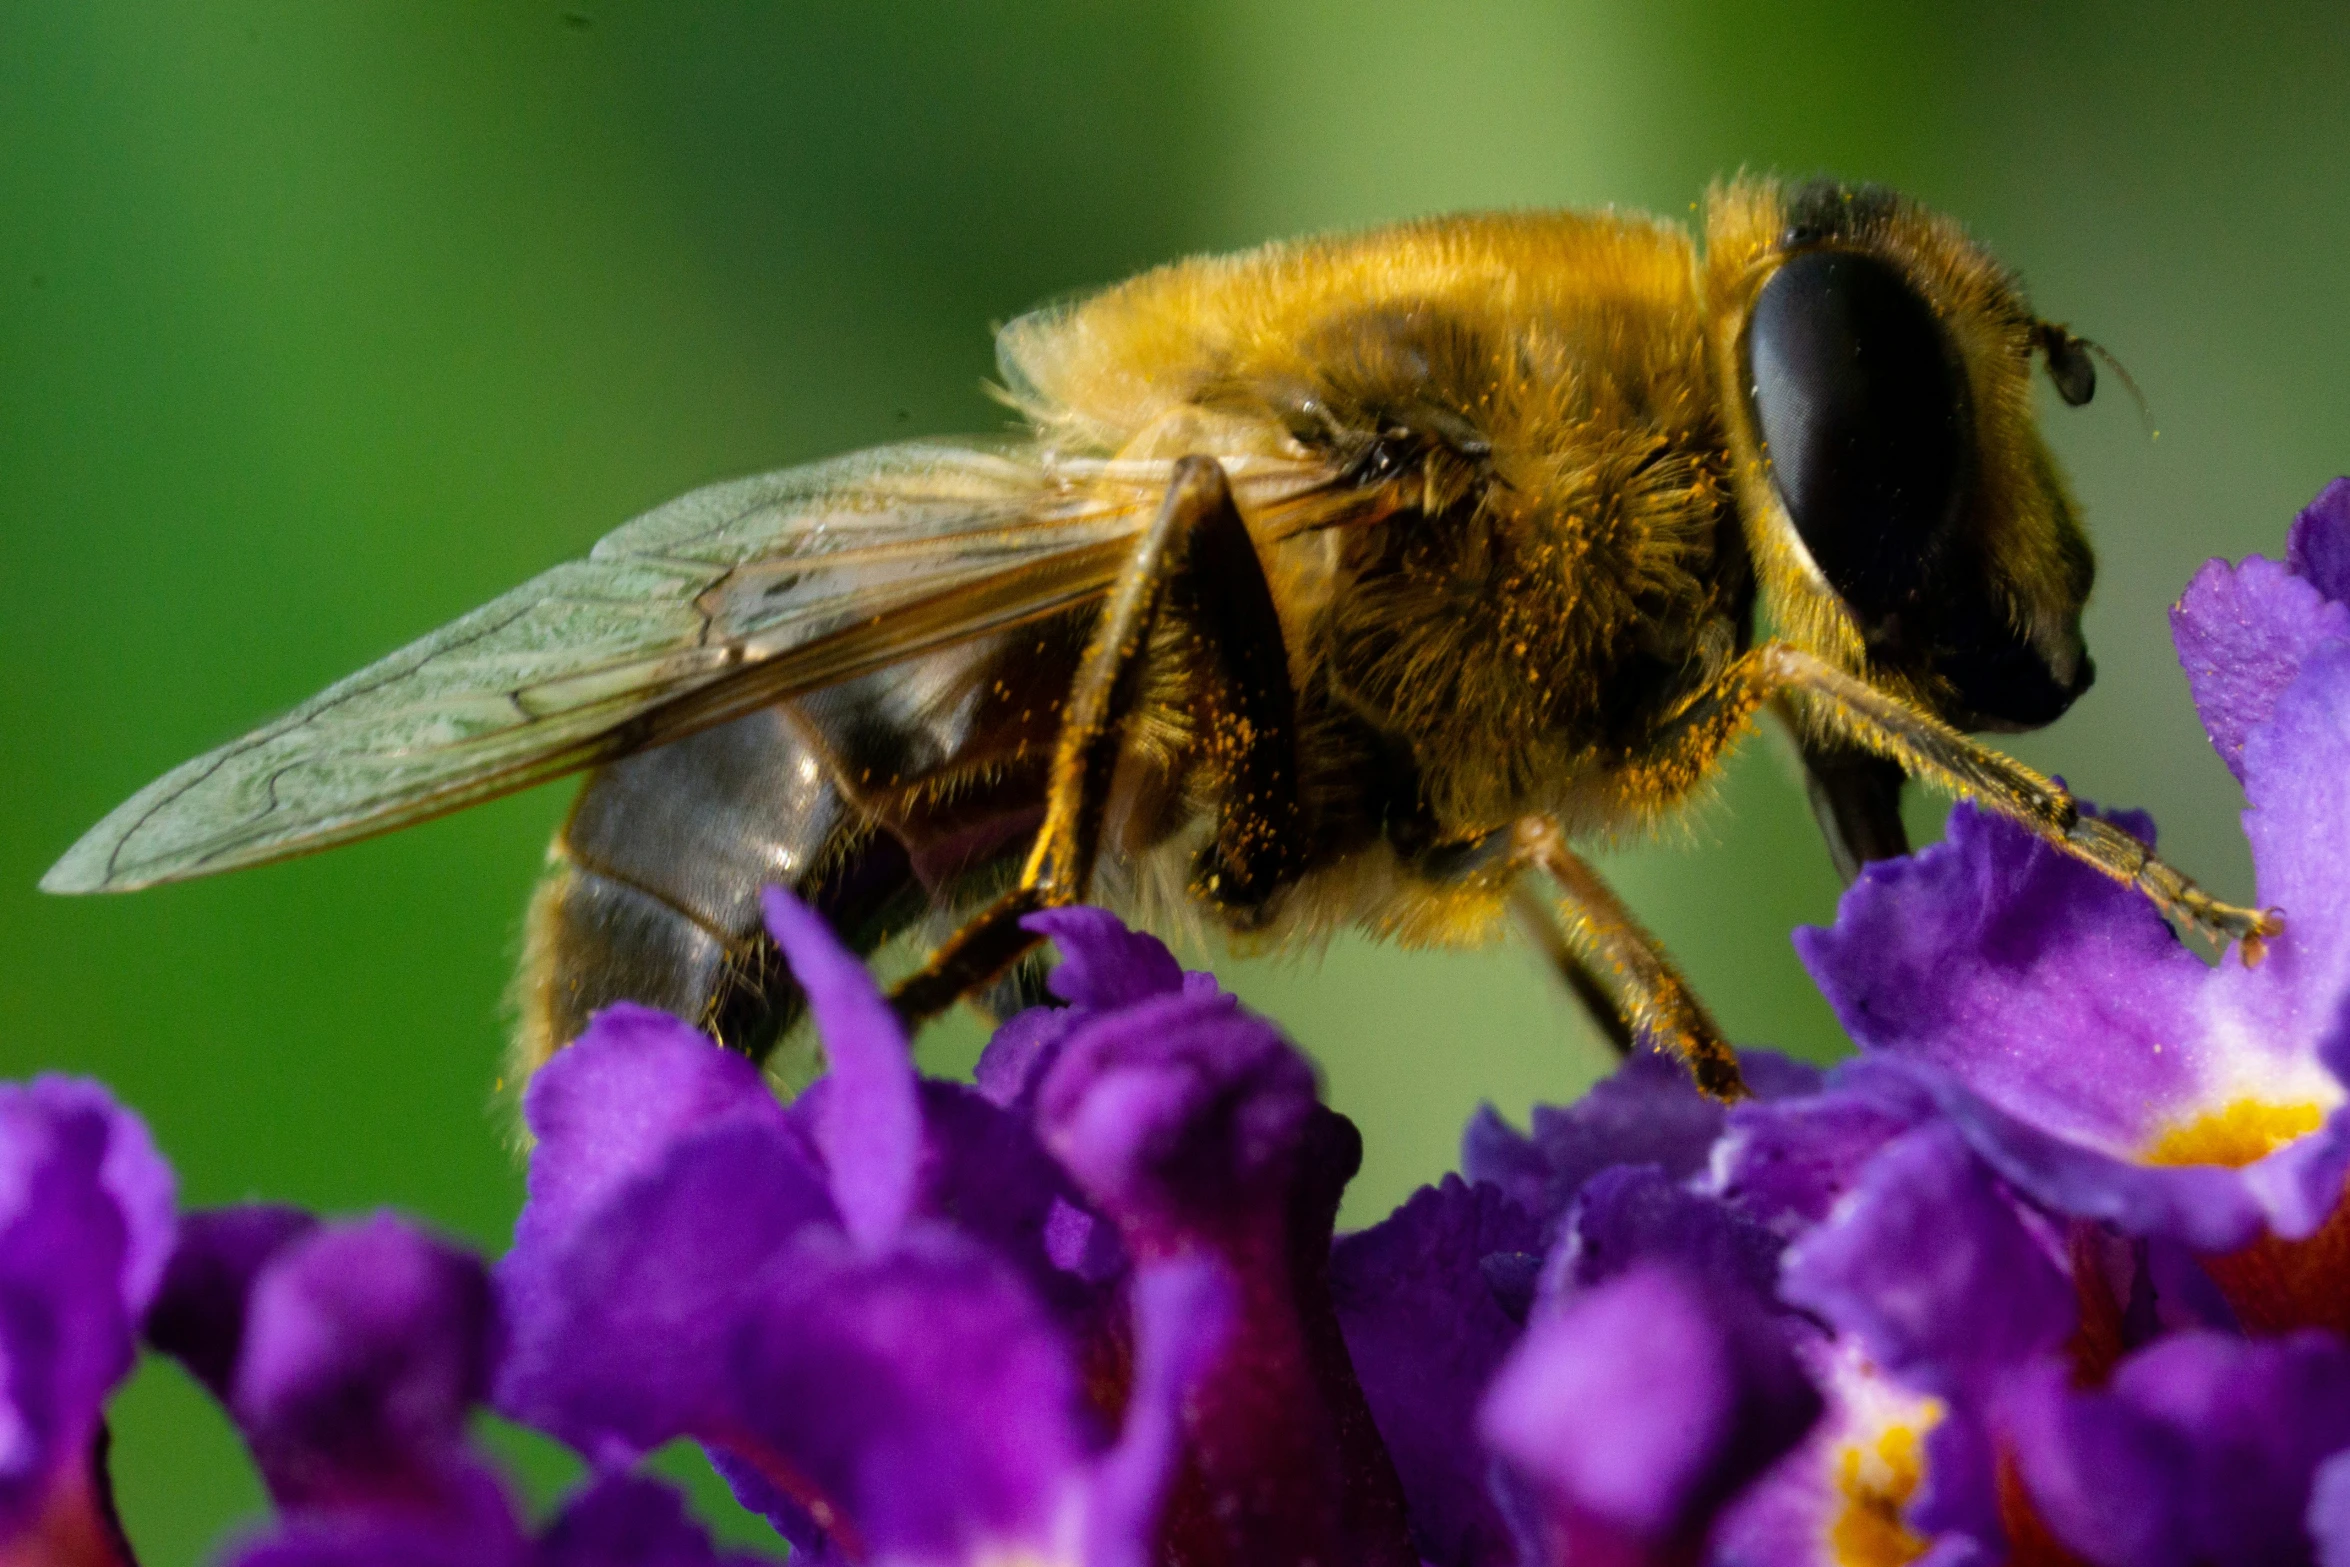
(1652,996)
(1540,924)
(1847,709)
(1197,557)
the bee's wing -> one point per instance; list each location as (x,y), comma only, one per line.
(720,602)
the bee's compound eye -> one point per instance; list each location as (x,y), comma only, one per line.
(1864,415)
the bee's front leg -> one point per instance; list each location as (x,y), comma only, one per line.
(1197,556)
(1853,711)
(1602,939)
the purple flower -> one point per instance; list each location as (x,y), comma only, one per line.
(1648,1111)
(1195,1128)
(361,1350)
(2202,1449)
(2244,632)
(85,1226)
(1427,1323)
(1934,1272)
(1634,1409)
(351,1357)
(1887,1475)
(2093,1060)
(871,1306)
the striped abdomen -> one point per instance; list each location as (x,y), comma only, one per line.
(874,801)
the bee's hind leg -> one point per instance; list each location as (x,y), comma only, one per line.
(1603,941)
(1196,554)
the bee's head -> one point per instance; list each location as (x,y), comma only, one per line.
(1905,516)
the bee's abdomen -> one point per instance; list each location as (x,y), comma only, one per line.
(654,892)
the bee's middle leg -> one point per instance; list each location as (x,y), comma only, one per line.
(1198,555)
(1540,925)
(1603,941)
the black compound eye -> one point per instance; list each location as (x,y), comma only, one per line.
(1864,414)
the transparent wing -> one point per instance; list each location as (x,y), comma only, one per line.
(725,600)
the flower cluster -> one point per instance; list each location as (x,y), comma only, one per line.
(2056,1270)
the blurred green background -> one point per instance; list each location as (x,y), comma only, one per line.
(321,323)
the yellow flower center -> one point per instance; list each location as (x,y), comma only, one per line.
(2236,1134)
(1877,1479)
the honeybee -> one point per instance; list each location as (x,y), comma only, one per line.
(1338,583)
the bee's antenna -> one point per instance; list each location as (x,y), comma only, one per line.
(2072,368)
(2129,384)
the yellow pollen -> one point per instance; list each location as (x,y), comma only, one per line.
(1877,1480)
(2235,1135)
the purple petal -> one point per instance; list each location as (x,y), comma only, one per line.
(2329,1499)
(606,1111)
(1639,1407)
(2318,547)
(198,1317)
(1426,1334)
(1786,1164)
(132,1173)
(2084,1053)
(1496,1154)
(1931,1269)
(984,1170)
(871,1128)
(665,1177)
(1183,1312)
(85,1225)
(1103,964)
(2243,633)
(366,1347)
(625,1521)
(1194,1127)
(476,1529)
(1020,1052)
(620,1337)
(1648,1111)
(1176,1112)
(2203,1450)
(922,1398)
(1887,1475)
(1633,1215)
(2208,1207)
(2297,821)
(2056,993)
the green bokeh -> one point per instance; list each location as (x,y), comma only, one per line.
(321,323)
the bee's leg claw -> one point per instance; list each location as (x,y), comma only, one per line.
(2127,859)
